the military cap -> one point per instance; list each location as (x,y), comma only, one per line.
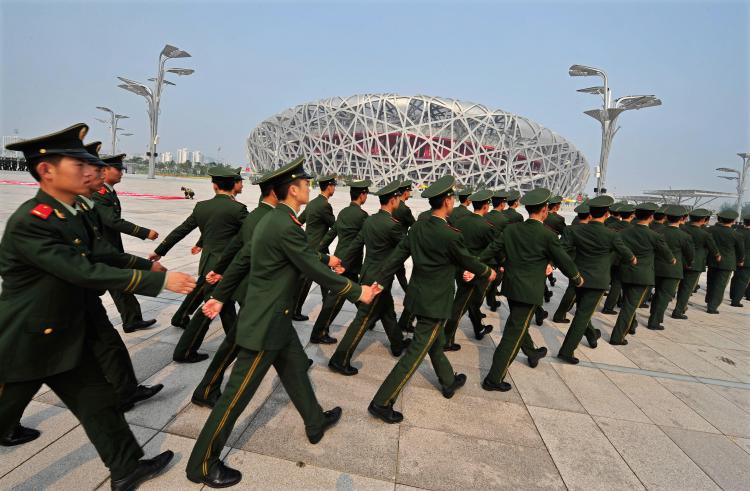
(647,206)
(219,171)
(615,207)
(93,148)
(514,195)
(114,160)
(405,185)
(465,191)
(67,142)
(443,186)
(537,196)
(602,201)
(327,178)
(661,210)
(500,193)
(238,174)
(728,214)
(481,195)
(555,199)
(582,208)
(364,184)
(625,208)
(390,188)
(288,173)
(675,210)
(700,213)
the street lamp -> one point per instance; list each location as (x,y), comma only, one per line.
(114,118)
(153,96)
(608,114)
(740,177)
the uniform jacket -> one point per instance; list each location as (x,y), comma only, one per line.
(645,244)
(591,246)
(682,248)
(318,218)
(703,246)
(380,234)
(498,220)
(404,215)
(110,213)
(513,215)
(555,222)
(730,246)
(458,212)
(347,226)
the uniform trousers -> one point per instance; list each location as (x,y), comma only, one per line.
(716,284)
(615,288)
(587,299)
(686,288)
(515,333)
(567,302)
(332,305)
(632,297)
(128,307)
(664,292)
(196,330)
(740,283)
(469,297)
(190,303)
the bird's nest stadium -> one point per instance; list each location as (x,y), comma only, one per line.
(384,137)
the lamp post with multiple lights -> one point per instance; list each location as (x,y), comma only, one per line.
(741,178)
(112,123)
(153,96)
(608,114)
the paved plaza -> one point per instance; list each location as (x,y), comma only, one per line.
(671,410)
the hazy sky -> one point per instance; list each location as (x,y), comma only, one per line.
(252,60)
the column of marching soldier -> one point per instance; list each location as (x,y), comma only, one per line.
(62,249)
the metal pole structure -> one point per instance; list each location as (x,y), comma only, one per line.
(114,118)
(741,182)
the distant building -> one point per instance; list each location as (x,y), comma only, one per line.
(182,155)
(197,157)
(166,157)
(7,140)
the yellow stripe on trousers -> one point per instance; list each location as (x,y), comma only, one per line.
(640,301)
(361,331)
(515,348)
(417,362)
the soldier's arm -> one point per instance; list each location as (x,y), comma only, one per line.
(394,261)
(713,249)
(688,250)
(353,251)
(104,252)
(329,236)
(625,253)
(494,253)
(464,259)
(177,235)
(739,248)
(229,253)
(111,220)
(562,261)
(568,243)
(237,270)
(302,218)
(662,249)
(407,220)
(327,215)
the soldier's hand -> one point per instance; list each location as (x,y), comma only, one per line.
(369,292)
(333,262)
(158,267)
(339,269)
(674,260)
(180,282)
(152,234)
(154,257)
(213,278)
(195,250)
(634,261)
(212,308)
(468,276)
(549,270)
(718,258)
(493,275)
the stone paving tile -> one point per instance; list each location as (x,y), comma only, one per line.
(582,453)
(718,456)
(739,397)
(435,460)
(543,387)
(738,368)
(653,456)
(743,443)
(646,358)
(686,360)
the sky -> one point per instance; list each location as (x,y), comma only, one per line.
(59,60)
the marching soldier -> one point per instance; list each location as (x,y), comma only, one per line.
(44,329)
(638,278)
(463,205)
(583,215)
(741,279)
(404,215)
(703,246)
(265,335)
(668,275)
(110,211)
(510,212)
(525,251)
(624,215)
(347,226)
(436,249)
(219,219)
(592,246)
(318,217)
(557,223)
(732,251)
(497,218)
(380,234)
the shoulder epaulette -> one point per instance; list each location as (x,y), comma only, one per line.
(295,219)
(42,211)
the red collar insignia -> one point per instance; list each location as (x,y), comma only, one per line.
(42,211)
(103,190)
(295,219)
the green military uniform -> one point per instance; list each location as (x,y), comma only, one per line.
(524,250)
(219,220)
(703,246)
(732,251)
(615,286)
(569,296)
(380,234)
(461,210)
(477,233)
(437,251)
(592,246)
(265,335)
(557,224)
(110,211)
(425,215)
(44,328)
(498,220)
(318,218)
(669,274)
(404,215)
(639,278)
(347,226)
(741,278)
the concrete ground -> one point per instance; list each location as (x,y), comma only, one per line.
(671,410)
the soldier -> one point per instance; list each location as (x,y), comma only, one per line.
(557,223)
(380,234)
(44,329)
(668,275)
(498,220)
(463,205)
(218,219)
(525,251)
(347,226)
(110,211)
(318,215)
(477,233)
(583,215)
(592,246)
(638,278)
(624,212)
(510,212)
(741,279)
(732,251)
(436,249)
(280,253)
(404,215)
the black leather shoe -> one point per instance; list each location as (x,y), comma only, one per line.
(309,363)
(147,469)
(676,315)
(609,311)
(501,387)
(494,307)
(142,392)
(331,418)
(199,401)
(385,413)
(182,324)
(300,318)
(561,321)
(536,356)
(618,343)
(656,327)
(139,326)
(592,339)
(458,382)
(324,339)
(539,316)
(482,315)
(221,477)
(736,304)
(452,347)
(569,359)
(485,331)
(19,435)
(193,357)
(552,281)
(547,297)
(347,370)
(644,306)
(712,311)
(404,344)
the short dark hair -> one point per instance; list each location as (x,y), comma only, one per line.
(673,219)
(265,189)
(725,220)
(597,211)
(324,185)
(643,214)
(437,201)
(386,198)
(583,215)
(496,201)
(746,221)
(554,206)
(479,204)
(355,193)
(511,202)
(532,209)
(625,214)
(52,159)
(463,199)
(616,213)
(223,183)
(282,189)
(694,218)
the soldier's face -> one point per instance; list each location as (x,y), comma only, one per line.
(97,177)
(238,185)
(113,175)
(69,175)
(301,190)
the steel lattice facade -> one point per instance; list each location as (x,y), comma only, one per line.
(384,137)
